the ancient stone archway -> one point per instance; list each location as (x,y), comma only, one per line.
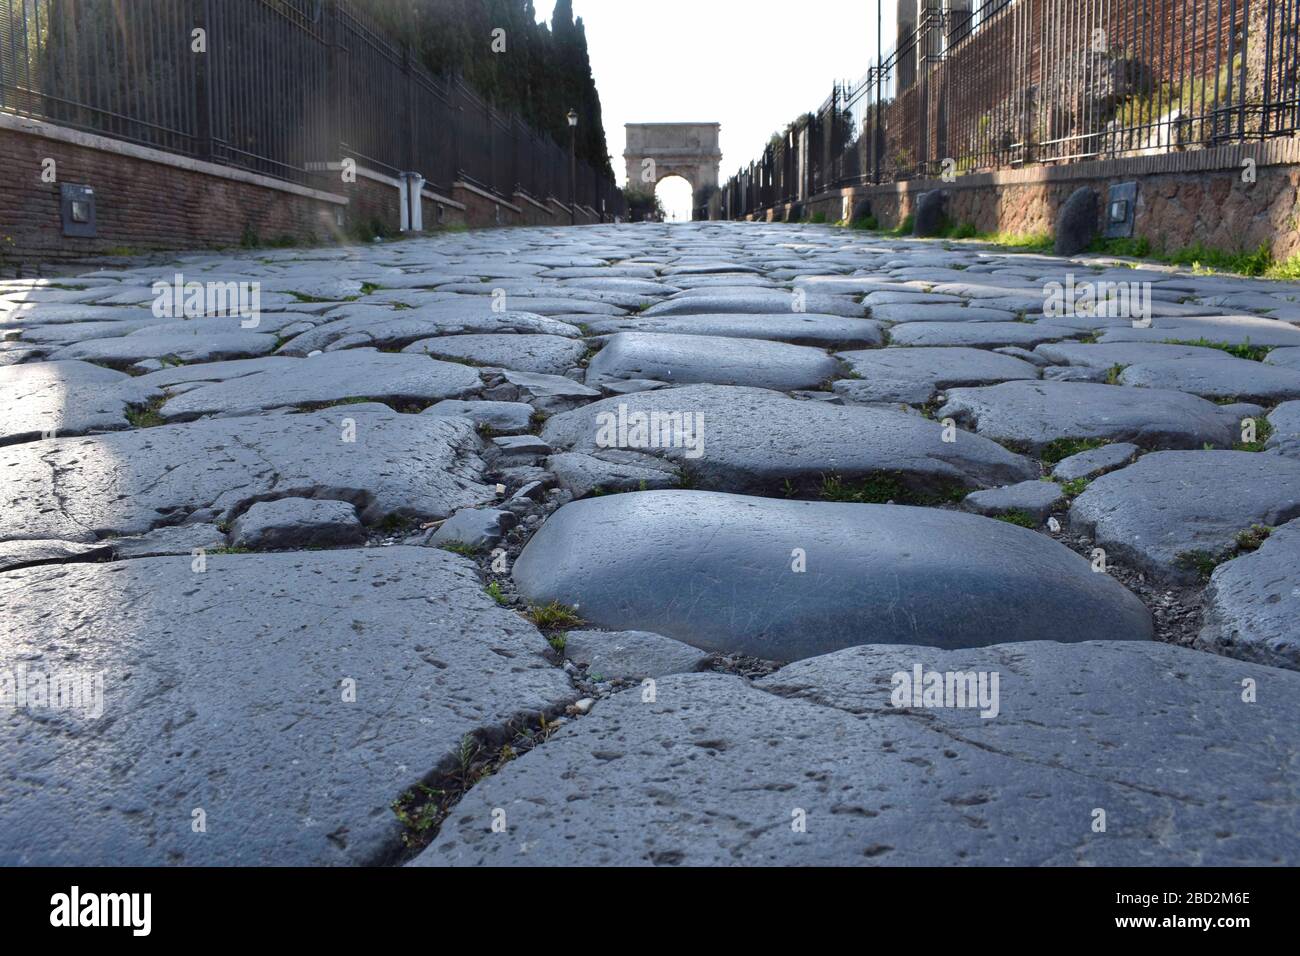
(658,150)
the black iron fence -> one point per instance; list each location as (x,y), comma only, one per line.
(277,87)
(977,85)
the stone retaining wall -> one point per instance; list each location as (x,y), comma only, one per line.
(1183,198)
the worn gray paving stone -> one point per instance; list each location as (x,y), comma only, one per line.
(1286,357)
(24,554)
(710,771)
(498,416)
(1215,378)
(1285,422)
(547,393)
(694,359)
(976,334)
(547,354)
(939,313)
(297,523)
(1169,506)
(286,772)
(757,441)
(128,483)
(1252,605)
(484,303)
(1229,330)
(1038,499)
(756,301)
(369,325)
(582,475)
(903,374)
(477,528)
(42,313)
(332,377)
(1034,414)
(67,398)
(1095,461)
(631,655)
(716,571)
(188,348)
(66,333)
(178,539)
(826,331)
(169,376)
(1124,353)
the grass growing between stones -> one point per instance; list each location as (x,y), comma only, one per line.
(1253,353)
(1019,517)
(882,488)
(1263,431)
(1074,487)
(1204,562)
(554,615)
(1253,537)
(147,415)
(494,591)
(422,809)
(1059,449)
(461,548)
(1203,259)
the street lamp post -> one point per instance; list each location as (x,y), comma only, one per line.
(573,167)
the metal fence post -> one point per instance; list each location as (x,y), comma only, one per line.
(203,83)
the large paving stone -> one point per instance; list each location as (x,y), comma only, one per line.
(1095,461)
(756,301)
(825,331)
(1215,378)
(631,655)
(332,377)
(24,554)
(1252,606)
(547,354)
(986,335)
(1286,357)
(499,416)
(1169,507)
(125,483)
(715,770)
(1285,422)
(1123,353)
(692,359)
(68,398)
(297,523)
(939,313)
(915,375)
(370,325)
(1228,330)
(717,571)
(762,442)
(1038,499)
(129,349)
(223,691)
(1033,414)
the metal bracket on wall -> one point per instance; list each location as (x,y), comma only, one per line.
(1121,210)
(77,205)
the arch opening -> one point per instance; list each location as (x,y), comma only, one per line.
(676,197)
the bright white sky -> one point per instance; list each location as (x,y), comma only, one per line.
(751,65)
